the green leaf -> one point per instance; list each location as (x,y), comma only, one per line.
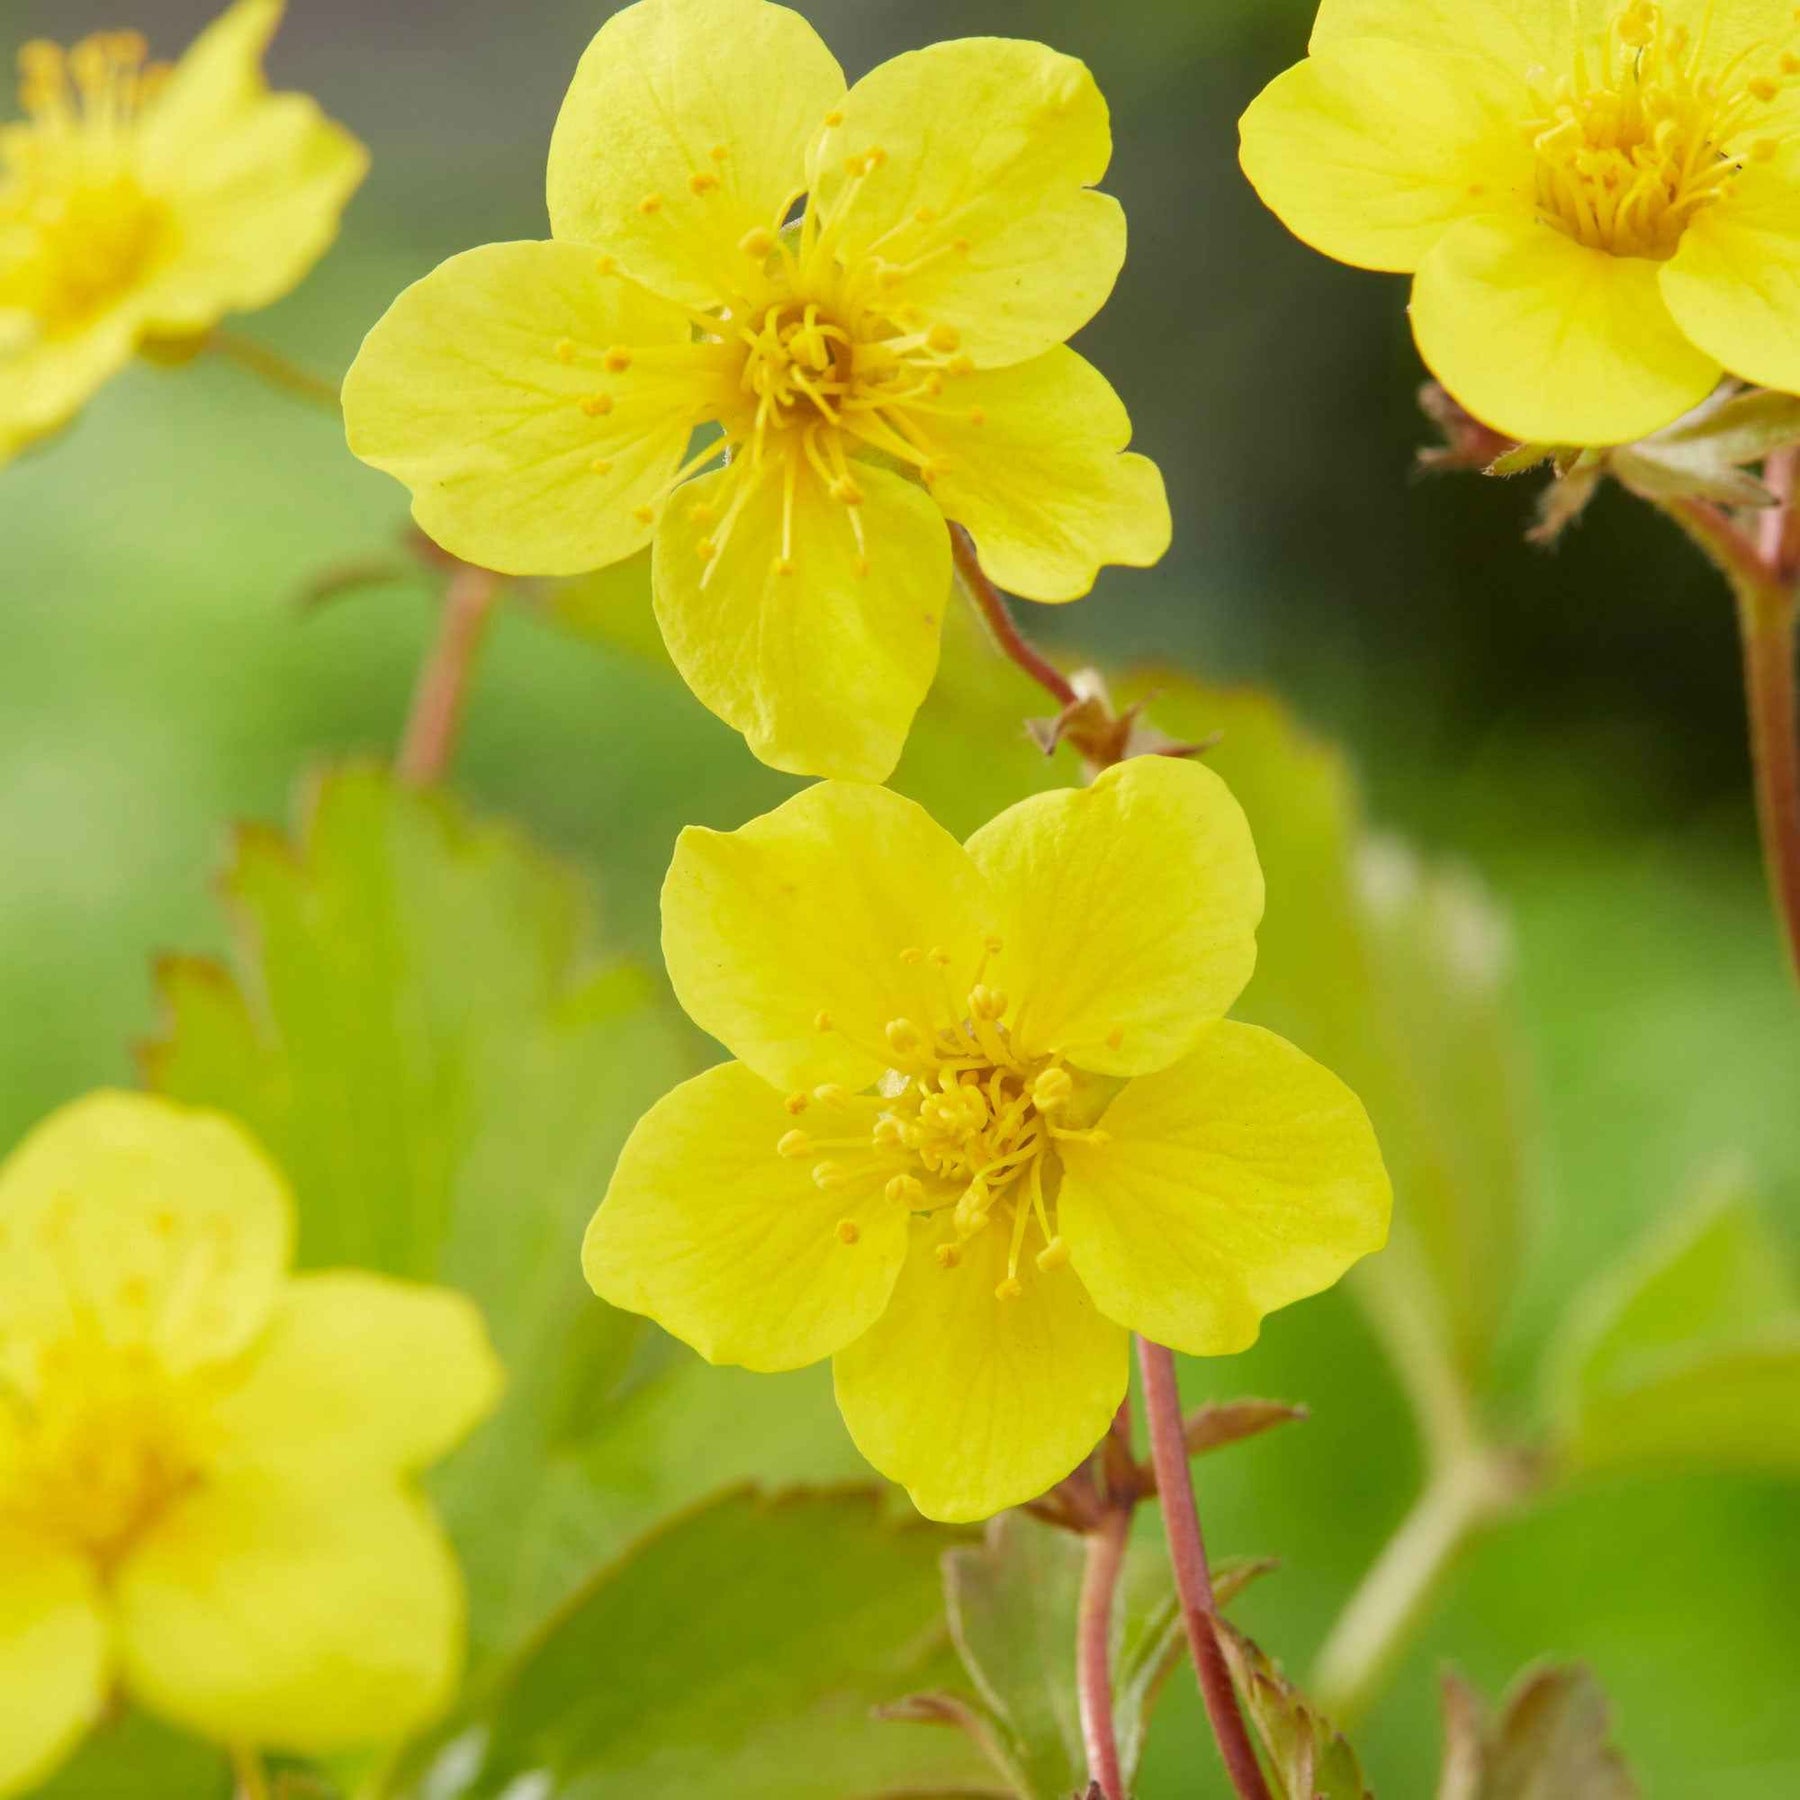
(1305,1755)
(414,1026)
(1221,1423)
(137,1758)
(738,1652)
(1688,1357)
(1742,429)
(1552,1742)
(1012,1602)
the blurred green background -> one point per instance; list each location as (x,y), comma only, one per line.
(1569,724)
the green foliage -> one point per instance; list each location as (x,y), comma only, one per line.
(737,1652)
(1689,1356)
(1551,1742)
(134,1758)
(414,1027)
(1305,1755)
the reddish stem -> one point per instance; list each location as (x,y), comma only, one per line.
(1193,1578)
(1093,1649)
(998,616)
(443,687)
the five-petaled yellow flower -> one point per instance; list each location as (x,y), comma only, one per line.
(987,1118)
(860,297)
(140,204)
(1599,199)
(205,1496)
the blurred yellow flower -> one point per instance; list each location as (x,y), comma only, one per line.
(140,203)
(890,357)
(204,1462)
(987,1118)
(1599,199)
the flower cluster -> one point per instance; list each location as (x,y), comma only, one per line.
(1599,202)
(205,1462)
(986,1119)
(858,301)
(139,204)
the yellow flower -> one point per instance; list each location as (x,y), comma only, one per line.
(140,203)
(892,358)
(987,1118)
(204,1462)
(1599,199)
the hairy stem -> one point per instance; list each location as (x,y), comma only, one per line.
(1379,1621)
(1193,1578)
(1764,574)
(274,368)
(1093,1649)
(1008,639)
(443,686)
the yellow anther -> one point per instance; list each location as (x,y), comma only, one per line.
(945,339)
(618,359)
(706,549)
(846,491)
(605,265)
(1053,1256)
(645,515)
(860,568)
(986,1003)
(940,957)
(874,156)
(848,1231)
(1052,1089)
(992,945)
(912,956)
(948,1255)
(1010,1289)
(834,119)
(793,1143)
(796,1104)
(902,1036)
(601,465)
(827,1175)
(905,1190)
(1764,89)
(822,1021)
(923,215)
(702,182)
(977,415)
(651,203)
(961,246)
(758,241)
(565,350)
(1115,1038)
(597,406)
(828,1093)
(854,165)
(719,153)
(783,566)
(889,1133)
(960,365)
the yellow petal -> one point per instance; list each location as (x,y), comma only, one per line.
(1734,285)
(491,389)
(1550,342)
(973,1403)
(45,381)
(312,1619)
(980,204)
(360,1372)
(255,183)
(808,910)
(735,1248)
(1130,912)
(1029,459)
(53,1658)
(1372,150)
(1242,1179)
(166,1225)
(684,131)
(817,645)
(1513,34)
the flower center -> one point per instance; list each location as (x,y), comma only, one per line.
(100,1447)
(962,1128)
(1643,135)
(76,229)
